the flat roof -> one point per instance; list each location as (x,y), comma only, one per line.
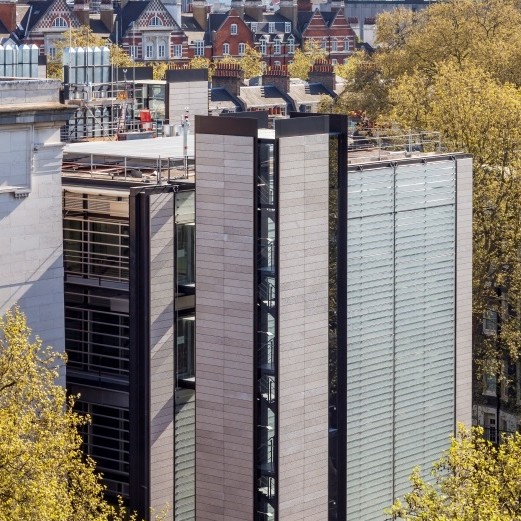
(155,148)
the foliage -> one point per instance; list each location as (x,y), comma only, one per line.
(159,70)
(251,62)
(473,481)
(303,59)
(43,473)
(83,36)
(200,62)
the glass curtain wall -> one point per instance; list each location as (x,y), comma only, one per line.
(96,263)
(184,428)
(266,266)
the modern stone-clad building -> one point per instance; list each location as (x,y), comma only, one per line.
(281,332)
(31,253)
(333,317)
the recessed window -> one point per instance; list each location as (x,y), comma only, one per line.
(233,29)
(287,27)
(177,50)
(263,46)
(253,27)
(226,49)
(149,51)
(271,27)
(347,44)
(155,22)
(276,47)
(334,46)
(242,49)
(291,45)
(161,50)
(59,22)
(199,48)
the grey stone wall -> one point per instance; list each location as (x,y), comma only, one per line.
(162,370)
(224,328)
(464,292)
(303,328)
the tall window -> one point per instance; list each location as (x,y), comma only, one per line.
(161,50)
(199,48)
(155,22)
(59,22)
(276,46)
(334,46)
(242,49)
(323,45)
(253,27)
(233,29)
(271,27)
(134,52)
(347,44)
(262,46)
(52,53)
(287,27)
(149,51)
(177,51)
(291,45)
(226,49)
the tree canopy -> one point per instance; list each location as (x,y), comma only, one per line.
(304,59)
(473,481)
(43,473)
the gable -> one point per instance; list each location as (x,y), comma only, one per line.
(156,11)
(56,9)
(316,23)
(340,23)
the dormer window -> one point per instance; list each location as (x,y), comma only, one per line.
(287,27)
(155,22)
(271,27)
(253,27)
(59,22)
(233,29)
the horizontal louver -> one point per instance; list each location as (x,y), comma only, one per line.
(400,359)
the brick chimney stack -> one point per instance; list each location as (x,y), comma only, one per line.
(238,5)
(106,14)
(277,77)
(200,11)
(229,76)
(82,11)
(323,72)
(254,8)
(289,9)
(305,5)
(8,14)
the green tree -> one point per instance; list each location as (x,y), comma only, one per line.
(251,62)
(83,36)
(43,472)
(303,59)
(200,62)
(473,481)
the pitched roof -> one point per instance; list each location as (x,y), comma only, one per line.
(34,14)
(126,15)
(308,93)
(263,96)
(222,100)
